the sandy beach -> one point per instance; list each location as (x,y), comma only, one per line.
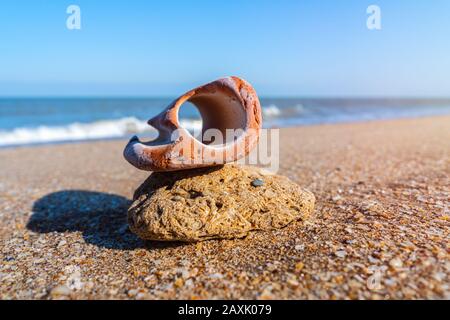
(380,229)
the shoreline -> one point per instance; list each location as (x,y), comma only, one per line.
(379,230)
(152,134)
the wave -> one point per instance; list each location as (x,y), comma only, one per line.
(104,129)
(275,116)
(273,111)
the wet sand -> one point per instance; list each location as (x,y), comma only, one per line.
(380,229)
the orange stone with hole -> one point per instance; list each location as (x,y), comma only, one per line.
(229,108)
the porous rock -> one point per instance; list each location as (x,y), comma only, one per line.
(215,203)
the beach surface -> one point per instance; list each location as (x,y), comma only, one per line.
(380,229)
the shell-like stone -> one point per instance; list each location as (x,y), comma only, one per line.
(214,203)
(225,104)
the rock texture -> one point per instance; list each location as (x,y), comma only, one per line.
(216,202)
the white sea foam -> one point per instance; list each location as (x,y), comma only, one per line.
(274,116)
(103,129)
(271,111)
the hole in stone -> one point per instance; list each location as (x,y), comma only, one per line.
(218,116)
(190,118)
(193,194)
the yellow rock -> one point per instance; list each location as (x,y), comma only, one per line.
(212,203)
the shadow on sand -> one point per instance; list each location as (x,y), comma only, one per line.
(101,217)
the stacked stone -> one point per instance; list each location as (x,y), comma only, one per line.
(186,200)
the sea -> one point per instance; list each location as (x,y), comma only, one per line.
(30,121)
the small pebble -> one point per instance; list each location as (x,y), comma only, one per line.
(340,253)
(299,266)
(257,183)
(179,282)
(62,243)
(336,198)
(61,290)
(293,282)
(396,263)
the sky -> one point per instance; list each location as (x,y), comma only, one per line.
(284,48)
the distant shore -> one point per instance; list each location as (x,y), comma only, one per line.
(379,231)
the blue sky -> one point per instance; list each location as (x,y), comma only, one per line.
(158,48)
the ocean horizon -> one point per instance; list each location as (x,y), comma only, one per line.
(30,120)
